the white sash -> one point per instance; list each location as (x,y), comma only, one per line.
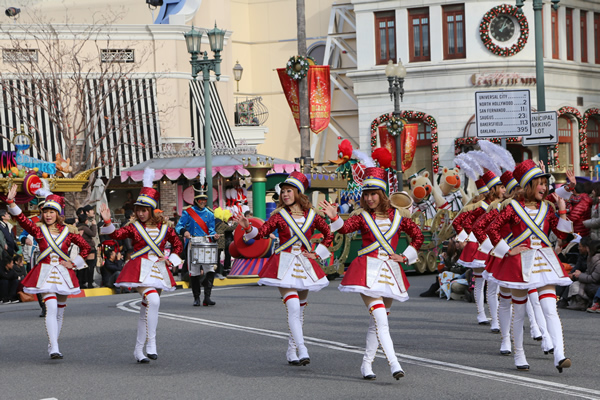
(381,240)
(298,233)
(533,226)
(53,245)
(151,244)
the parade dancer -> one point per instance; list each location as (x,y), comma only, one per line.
(376,273)
(54,274)
(148,269)
(293,267)
(529,260)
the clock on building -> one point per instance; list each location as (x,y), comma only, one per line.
(504,31)
(502,28)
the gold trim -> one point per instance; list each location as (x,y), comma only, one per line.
(298,276)
(389,283)
(541,270)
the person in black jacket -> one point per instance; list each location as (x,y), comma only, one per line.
(112,266)
(6,229)
(9,281)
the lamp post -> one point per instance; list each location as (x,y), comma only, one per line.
(539,62)
(395,76)
(193,40)
(237,73)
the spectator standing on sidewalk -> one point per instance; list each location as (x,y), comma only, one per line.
(88,229)
(9,280)
(6,229)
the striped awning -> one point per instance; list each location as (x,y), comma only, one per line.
(221,134)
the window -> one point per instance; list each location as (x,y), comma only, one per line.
(593,139)
(385,37)
(565,141)
(454,31)
(569,18)
(554,33)
(11,56)
(418,34)
(583,35)
(117,55)
(597,37)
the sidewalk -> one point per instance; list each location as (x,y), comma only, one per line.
(104,291)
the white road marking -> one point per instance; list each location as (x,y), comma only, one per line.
(585,393)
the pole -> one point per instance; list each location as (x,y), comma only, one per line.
(207,135)
(398,85)
(303,90)
(539,70)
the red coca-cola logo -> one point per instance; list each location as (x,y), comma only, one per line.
(31,184)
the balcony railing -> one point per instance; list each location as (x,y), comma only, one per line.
(251,112)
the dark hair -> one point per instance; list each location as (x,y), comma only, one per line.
(81,218)
(579,188)
(108,252)
(2,212)
(586,241)
(80,211)
(128,213)
(17,258)
(88,208)
(69,221)
(594,247)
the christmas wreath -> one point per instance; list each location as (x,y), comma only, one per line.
(484,30)
(297,67)
(395,125)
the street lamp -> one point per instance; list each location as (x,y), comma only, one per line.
(193,40)
(237,73)
(395,76)
(539,62)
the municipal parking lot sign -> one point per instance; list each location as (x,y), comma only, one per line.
(544,129)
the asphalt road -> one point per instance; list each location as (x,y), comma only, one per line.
(236,350)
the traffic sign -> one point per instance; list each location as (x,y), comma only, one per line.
(503,113)
(544,129)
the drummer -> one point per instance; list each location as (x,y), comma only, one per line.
(199,221)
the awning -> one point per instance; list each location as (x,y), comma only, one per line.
(189,167)
(220,131)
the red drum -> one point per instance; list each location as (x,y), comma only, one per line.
(255,248)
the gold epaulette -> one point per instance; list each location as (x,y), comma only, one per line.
(356,212)
(493,205)
(505,204)
(276,211)
(551,204)
(72,228)
(404,213)
(469,207)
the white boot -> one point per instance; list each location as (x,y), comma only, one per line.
(519,311)
(536,308)
(366,368)
(60,316)
(292,303)
(479,299)
(534,329)
(292,351)
(153,301)
(492,300)
(52,326)
(140,339)
(504,317)
(548,303)
(379,314)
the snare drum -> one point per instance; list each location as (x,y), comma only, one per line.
(201,251)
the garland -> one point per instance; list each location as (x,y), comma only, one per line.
(484,30)
(582,138)
(583,132)
(297,67)
(418,115)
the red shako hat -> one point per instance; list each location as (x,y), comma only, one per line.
(526,171)
(375,178)
(148,196)
(297,180)
(481,186)
(54,202)
(508,181)
(490,179)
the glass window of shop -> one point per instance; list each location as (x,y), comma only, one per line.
(565,141)
(593,139)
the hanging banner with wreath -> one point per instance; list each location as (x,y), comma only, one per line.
(319,95)
(408,140)
(414,115)
(290,90)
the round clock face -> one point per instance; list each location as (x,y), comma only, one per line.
(502,28)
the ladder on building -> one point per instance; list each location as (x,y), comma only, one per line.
(340,55)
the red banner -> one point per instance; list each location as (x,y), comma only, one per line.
(290,90)
(408,138)
(319,95)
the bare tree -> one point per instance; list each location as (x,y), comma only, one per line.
(70,84)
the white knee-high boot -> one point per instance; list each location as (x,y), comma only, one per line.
(492,300)
(371,346)
(153,301)
(140,340)
(538,313)
(52,325)
(479,299)
(534,329)
(379,313)
(504,317)
(292,351)
(519,310)
(292,303)
(60,315)
(548,304)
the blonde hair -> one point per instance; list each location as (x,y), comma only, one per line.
(528,193)
(299,198)
(384,201)
(153,220)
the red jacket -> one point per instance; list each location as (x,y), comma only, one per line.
(580,209)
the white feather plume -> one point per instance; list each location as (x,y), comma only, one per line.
(470,167)
(148,177)
(485,161)
(202,177)
(364,158)
(499,154)
(43,192)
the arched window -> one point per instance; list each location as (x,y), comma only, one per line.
(565,141)
(593,139)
